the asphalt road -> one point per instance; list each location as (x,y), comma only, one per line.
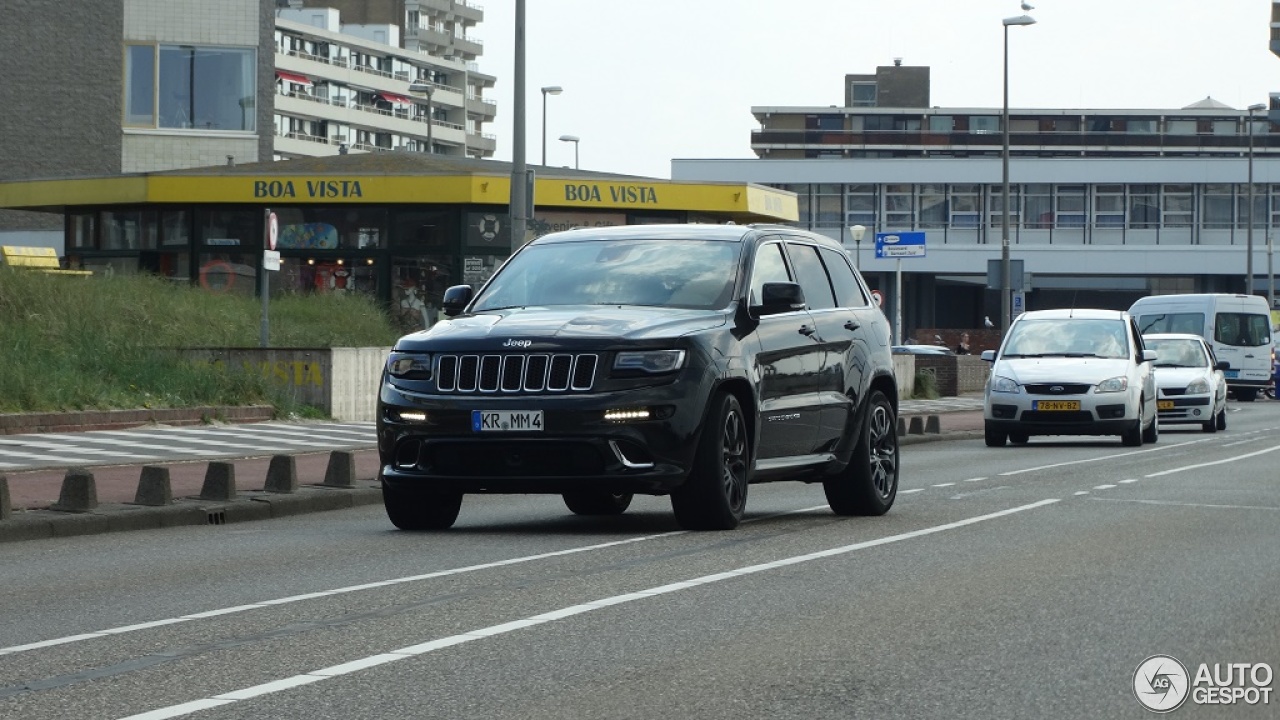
(1005,583)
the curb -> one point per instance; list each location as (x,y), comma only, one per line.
(23,423)
(41,524)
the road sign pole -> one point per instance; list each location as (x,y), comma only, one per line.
(265,284)
(897,307)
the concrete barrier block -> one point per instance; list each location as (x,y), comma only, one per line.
(916,426)
(154,487)
(282,475)
(933,425)
(219,482)
(902,426)
(342,469)
(6,504)
(79,492)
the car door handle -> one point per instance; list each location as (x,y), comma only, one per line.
(852,325)
(807,330)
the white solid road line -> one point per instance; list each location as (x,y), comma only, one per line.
(423,648)
(1102,457)
(1197,466)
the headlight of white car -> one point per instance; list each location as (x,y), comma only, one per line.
(1198,387)
(1115,384)
(1000,383)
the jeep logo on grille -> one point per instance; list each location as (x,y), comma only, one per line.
(518,343)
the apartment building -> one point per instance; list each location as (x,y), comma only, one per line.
(1105,206)
(153,85)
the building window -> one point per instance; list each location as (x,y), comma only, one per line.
(862,94)
(966,206)
(1218,207)
(860,205)
(1178,203)
(899,207)
(933,206)
(1144,207)
(984,124)
(185,86)
(941,123)
(1070,207)
(1039,206)
(1108,206)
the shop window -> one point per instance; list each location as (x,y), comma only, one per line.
(326,228)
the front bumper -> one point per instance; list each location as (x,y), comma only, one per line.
(577,449)
(1184,409)
(1104,414)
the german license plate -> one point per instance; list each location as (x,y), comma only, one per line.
(1164,404)
(1057,405)
(484,421)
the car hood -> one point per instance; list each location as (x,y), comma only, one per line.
(546,327)
(1172,377)
(1061,369)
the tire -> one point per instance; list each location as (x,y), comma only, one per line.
(1152,433)
(1221,420)
(1210,425)
(419,510)
(1247,394)
(714,496)
(597,503)
(868,485)
(994,437)
(1134,435)
(1019,438)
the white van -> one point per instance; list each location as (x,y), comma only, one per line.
(1238,327)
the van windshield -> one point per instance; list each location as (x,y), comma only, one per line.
(1186,322)
(1242,329)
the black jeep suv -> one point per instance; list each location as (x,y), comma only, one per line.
(690,360)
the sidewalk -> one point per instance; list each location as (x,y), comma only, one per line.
(25,509)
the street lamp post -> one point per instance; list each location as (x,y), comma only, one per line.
(518,204)
(1006,288)
(1248,233)
(423,87)
(549,90)
(575,140)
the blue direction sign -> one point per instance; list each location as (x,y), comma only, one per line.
(900,245)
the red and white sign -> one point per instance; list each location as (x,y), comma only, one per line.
(273,230)
(878,297)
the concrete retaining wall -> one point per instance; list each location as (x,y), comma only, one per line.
(343,382)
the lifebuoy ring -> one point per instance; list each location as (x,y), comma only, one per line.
(221,266)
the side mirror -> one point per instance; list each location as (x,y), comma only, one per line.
(780,297)
(989,355)
(456,299)
(1222,365)
(1148,356)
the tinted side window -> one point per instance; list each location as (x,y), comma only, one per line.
(770,267)
(812,276)
(848,291)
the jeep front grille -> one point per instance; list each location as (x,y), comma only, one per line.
(515,373)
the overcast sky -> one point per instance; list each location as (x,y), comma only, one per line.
(646,81)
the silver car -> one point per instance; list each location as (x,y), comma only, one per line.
(1190,379)
(1071,372)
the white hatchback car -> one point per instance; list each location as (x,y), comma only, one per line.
(1071,372)
(1190,379)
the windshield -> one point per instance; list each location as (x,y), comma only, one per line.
(1068,337)
(1178,353)
(1184,322)
(686,274)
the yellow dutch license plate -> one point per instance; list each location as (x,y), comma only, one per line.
(1164,404)
(1057,405)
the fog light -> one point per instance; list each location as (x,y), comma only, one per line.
(627,414)
(1196,412)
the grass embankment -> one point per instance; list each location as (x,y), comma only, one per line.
(105,343)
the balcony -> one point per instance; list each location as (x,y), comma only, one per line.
(1048,143)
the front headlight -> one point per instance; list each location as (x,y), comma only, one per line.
(409,366)
(1115,384)
(1000,383)
(651,362)
(1198,387)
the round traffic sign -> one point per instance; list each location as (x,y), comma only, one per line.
(878,297)
(273,230)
